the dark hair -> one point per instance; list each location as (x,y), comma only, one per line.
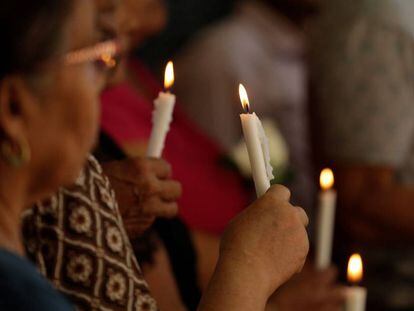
(30,32)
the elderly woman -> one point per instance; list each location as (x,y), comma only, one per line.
(79,237)
(48,124)
(48,121)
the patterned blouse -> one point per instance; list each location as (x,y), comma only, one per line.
(78,241)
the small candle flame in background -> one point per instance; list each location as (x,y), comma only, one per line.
(355,269)
(169,76)
(244,98)
(327,179)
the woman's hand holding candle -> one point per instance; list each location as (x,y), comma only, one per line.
(144,191)
(261,249)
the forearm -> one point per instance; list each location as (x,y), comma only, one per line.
(374,205)
(235,289)
(392,208)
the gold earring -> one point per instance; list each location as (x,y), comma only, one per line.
(16,155)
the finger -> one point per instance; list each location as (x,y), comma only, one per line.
(161,168)
(279,192)
(170,190)
(158,208)
(150,187)
(302,215)
(134,170)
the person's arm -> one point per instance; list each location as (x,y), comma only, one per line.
(367,121)
(232,288)
(376,206)
(261,249)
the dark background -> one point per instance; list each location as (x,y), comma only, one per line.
(186,18)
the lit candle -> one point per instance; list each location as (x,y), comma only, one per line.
(162,115)
(325,220)
(257,146)
(356,296)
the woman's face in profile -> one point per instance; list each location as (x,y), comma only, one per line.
(65,118)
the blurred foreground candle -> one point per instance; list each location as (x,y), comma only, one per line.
(356,296)
(325,221)
(162,115)
(257,146)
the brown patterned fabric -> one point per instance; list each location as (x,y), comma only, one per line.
(78,241)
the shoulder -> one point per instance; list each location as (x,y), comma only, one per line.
(23,288)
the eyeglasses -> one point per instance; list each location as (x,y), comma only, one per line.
(104,53)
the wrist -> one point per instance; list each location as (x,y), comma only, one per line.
(260,273)
(233,287)
(244,275)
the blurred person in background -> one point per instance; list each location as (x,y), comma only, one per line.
(262,45)
(185,19)
(362,79)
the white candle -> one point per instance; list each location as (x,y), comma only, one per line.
(325,221)
(356,296)
(162,116)
(257,146)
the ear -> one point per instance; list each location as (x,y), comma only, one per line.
(16,106)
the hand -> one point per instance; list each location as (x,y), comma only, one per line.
(144,191)
(261,249)
(310,290)
(268,239)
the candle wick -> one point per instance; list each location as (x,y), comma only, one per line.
(247,109)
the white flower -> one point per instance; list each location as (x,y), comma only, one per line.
(279,154)
(79,268)
(80,219)
(116,287)
(114,239)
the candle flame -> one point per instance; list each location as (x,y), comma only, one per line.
(327,179)
(355,269)
(244,98)
(169,76)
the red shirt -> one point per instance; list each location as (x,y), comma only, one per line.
(212,193)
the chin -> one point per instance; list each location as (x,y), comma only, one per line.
(66,174)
